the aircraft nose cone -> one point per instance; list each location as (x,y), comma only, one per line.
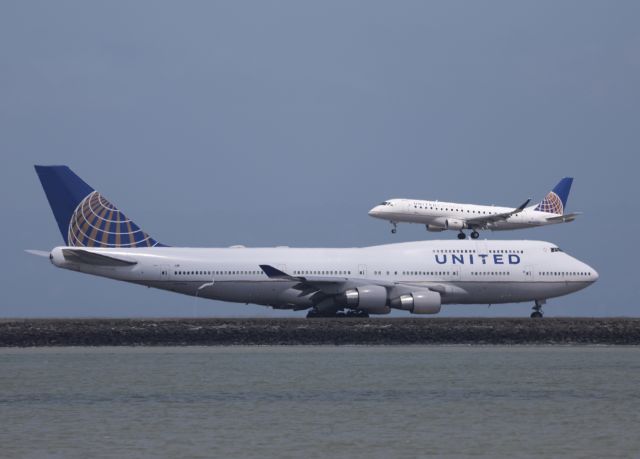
(374,212)
(594,275)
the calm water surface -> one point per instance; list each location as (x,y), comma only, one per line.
(373,402)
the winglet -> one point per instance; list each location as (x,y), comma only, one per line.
(522,206)
(273,273)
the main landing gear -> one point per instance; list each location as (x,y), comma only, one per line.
(474,235)
(537,309)
(314,313)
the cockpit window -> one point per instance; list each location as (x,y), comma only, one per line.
(385,203)
(556,249)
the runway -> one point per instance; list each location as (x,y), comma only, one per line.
(344,331)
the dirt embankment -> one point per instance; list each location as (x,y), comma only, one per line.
(190,332)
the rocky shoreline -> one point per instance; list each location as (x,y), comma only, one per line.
(345,331)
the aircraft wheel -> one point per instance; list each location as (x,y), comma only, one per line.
(393,231)
(475,235)
(461,235)
(536,315)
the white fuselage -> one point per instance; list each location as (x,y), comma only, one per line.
(464,272)
(439,216)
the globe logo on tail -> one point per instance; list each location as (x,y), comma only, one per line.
(98,223)
(552,204)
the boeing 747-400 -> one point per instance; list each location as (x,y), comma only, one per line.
(417,277)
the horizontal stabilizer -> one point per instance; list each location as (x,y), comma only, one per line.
(92,258)
(566,218)
(38,253)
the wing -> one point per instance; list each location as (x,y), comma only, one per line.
(479,222)
(325,289)
(92,258)
(321,284)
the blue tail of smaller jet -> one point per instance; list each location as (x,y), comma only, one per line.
(556,200)
(84,216)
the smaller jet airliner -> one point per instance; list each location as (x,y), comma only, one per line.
(441,216)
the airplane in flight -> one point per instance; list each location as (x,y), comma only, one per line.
(418,277)
(440,216)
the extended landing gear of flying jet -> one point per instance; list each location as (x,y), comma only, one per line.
(394,230)
(537,309)
(474,235)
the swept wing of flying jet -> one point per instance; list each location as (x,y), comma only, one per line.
(441,216)
(418,277)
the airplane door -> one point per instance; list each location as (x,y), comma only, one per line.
(161,272)
(362,270)
(413,208)
(528,273)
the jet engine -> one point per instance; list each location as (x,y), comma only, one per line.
(418,302)
(369,298)
(454,224)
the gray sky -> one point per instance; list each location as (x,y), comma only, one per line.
(282,123)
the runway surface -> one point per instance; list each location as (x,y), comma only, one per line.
(344,331)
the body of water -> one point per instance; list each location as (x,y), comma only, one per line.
(374,402)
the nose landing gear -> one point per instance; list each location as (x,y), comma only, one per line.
(395,227)
(537,310)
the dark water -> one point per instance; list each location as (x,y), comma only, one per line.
(320,402)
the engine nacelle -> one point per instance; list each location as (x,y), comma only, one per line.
(435,228)
(369,298)
(419,302)
(454,224)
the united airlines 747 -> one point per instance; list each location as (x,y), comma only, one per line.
(417,277)
(441,216)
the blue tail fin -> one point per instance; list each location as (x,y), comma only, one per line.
(85,218)
(556,201)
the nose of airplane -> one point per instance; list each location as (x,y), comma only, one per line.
(375,211)
(592,273)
